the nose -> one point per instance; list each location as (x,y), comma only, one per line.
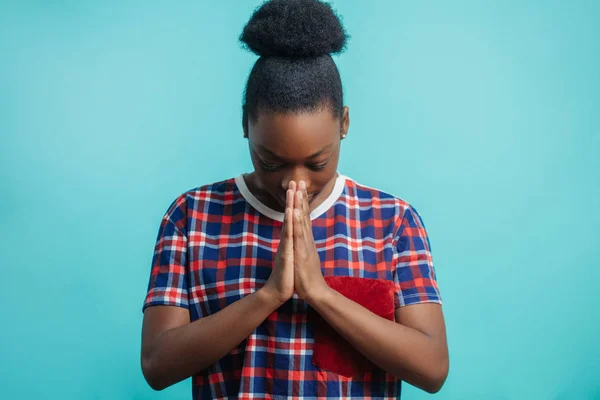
(295,174)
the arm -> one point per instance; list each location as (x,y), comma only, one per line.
(413,348)
(174,349)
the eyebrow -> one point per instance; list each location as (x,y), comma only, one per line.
(315,155)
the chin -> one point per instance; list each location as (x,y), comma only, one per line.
(279,199)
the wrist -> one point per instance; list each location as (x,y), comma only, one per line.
(269,297)
(319,294)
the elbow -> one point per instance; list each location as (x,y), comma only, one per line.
(430,379)
(434,386)
(437,378)
(151,373)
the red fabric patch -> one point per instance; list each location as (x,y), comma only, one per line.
(331,351)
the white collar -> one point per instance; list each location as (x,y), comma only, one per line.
(338,188)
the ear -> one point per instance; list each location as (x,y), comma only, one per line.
(345,123)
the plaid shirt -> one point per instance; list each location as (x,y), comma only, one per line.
(216,245)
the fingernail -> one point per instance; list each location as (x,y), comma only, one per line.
(297,213)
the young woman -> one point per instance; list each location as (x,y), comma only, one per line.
(293,281)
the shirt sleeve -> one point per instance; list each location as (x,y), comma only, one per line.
(168,276)
(414,278)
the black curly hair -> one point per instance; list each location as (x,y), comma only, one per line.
(295,72)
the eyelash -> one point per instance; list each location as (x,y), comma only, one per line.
(270,168)
(273,168)
(319,167)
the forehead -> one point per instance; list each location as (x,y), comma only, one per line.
(293,135)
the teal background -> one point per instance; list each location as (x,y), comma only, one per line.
(483,115)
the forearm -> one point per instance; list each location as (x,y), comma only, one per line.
(181,352)
(404,352)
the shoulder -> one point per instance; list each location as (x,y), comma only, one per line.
(408,229)
(200,199)
(362,196)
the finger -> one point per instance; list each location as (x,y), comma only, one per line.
(298,201)
(289,199)
(305,210)
(289,204)
(289,215)
(286,246)
(285,251)
(307,229)
(289,226)
(298,231)
(301,207)
(305,205)
(286,221)
(301,235)
(283,241)
(292,187)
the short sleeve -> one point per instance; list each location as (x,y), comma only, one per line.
(168,276)
(414,278)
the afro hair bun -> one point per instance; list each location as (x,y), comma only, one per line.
(294,28)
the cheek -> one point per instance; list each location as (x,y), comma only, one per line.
(321,179)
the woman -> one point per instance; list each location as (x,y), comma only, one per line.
(293,280)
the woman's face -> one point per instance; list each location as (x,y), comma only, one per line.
(286,147)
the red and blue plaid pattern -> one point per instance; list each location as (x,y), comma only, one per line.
(214,248)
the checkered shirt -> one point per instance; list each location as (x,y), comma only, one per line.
(214,247)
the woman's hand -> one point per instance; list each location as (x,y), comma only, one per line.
(308,278)
(281,282)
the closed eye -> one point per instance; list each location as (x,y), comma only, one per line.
(270,167)
(318,166)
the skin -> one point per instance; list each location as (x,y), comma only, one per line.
(295,157)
